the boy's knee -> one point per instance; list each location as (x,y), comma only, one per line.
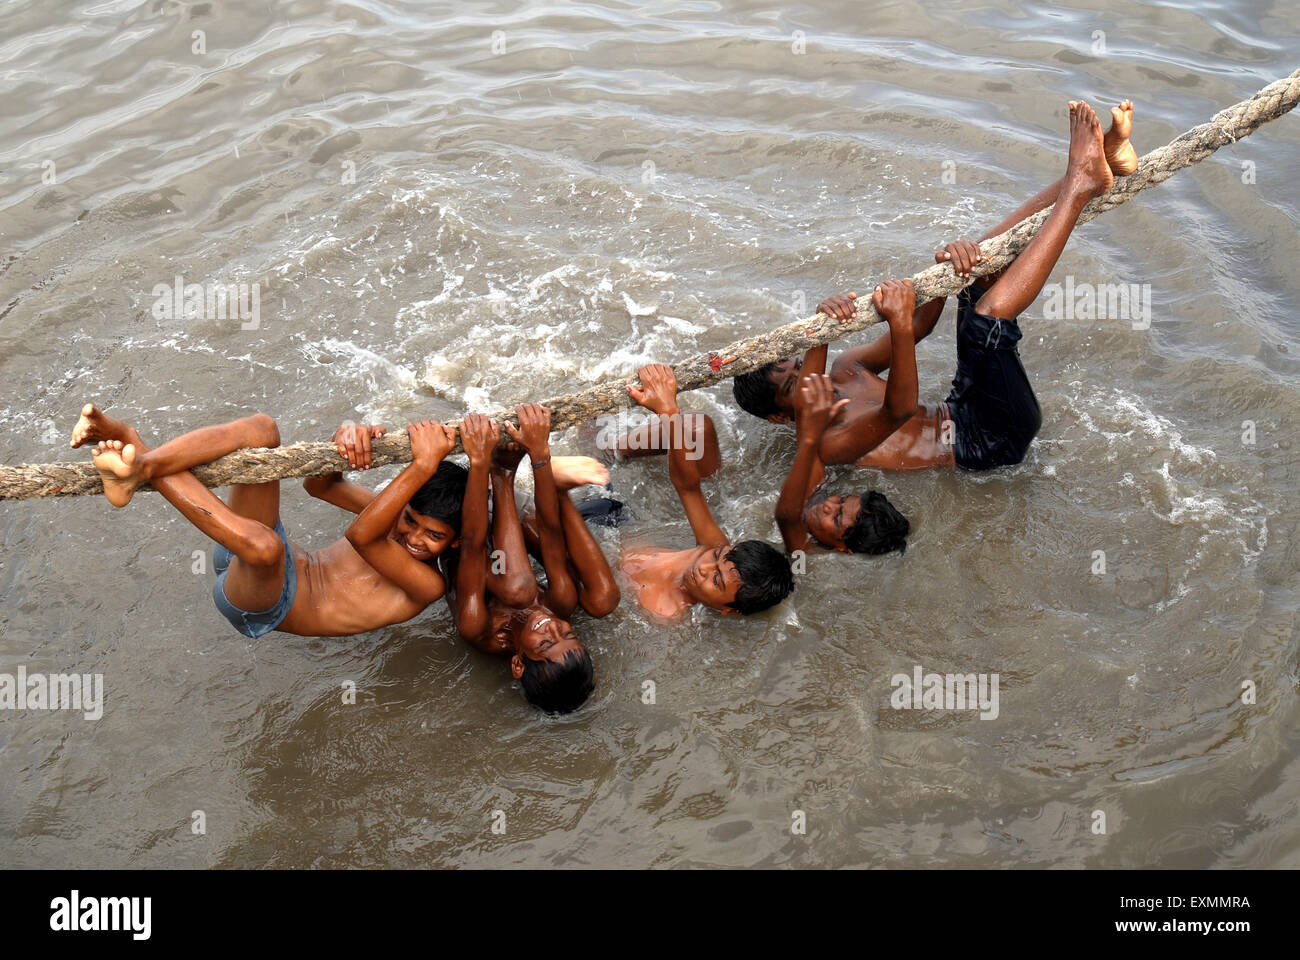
(603,602)
(267,429)
(518,592)
(262,547)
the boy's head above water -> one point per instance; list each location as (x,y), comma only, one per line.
(744,577)
(768,392)
(550,662)
(430,523)
(857,524)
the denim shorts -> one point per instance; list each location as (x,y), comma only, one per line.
(993,408)
(254,625)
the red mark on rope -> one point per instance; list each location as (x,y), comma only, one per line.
(717,363)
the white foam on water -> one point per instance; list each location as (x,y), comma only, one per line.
(1175,492)
(635,309)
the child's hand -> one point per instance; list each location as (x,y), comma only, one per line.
(895,299)
(815,405)
(353,441)
(962,254)
(478,435)
(430,442)
(840,306)
(534,430)
(657,391)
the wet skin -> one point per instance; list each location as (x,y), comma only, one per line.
(339,593)
(670,581)
(507,612)
(899,433)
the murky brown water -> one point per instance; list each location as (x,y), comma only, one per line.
(436,223)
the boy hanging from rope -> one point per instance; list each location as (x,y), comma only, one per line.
(382,572)
(990,417)
(511,613)
(744,577)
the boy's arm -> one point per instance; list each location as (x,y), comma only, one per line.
(368,534)
(658,394)
(877,356)
(533,434)
(478,435)
(862,430)
(815,407)
(353,441)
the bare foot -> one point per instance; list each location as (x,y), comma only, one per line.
(95,425)
(1087,172)
(1121,156)
(570,472)
(118,469)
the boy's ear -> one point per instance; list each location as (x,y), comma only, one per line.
(516,666)
(454,543)
(778,418)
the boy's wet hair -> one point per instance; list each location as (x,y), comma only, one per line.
(558,687)
(879,528)
(443,494)
(756,393)
(765,577)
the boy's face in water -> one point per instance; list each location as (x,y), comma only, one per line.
(543,636)
(828,520)
(713,580)
(422,536)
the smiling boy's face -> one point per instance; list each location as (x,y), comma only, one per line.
(422,536)
(544,636)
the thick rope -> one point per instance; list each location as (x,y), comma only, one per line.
(28,481)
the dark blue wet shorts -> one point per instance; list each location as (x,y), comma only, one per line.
(994,411)
(249,624)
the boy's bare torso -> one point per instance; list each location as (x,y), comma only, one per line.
(339,594)
(920,443)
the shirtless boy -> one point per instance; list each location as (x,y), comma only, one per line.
(991,415)
(382,572)
(507,612)
(745,577)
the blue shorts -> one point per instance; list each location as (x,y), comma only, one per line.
(993,409)
(254,625)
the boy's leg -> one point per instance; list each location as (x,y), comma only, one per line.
(598,593)
(1088,173)
(992,402)
(245,527)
